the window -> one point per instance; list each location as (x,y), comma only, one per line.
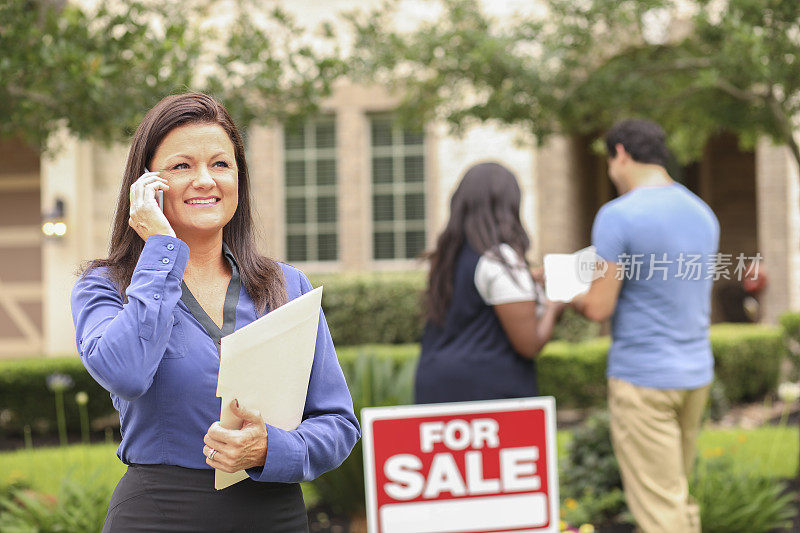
(311,182)
(398,190)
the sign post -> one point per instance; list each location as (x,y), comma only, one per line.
(466,467)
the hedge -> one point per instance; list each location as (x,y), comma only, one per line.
(386,308)
(747,357)
(790,323)
(25,398)
(383,308)
(574,373)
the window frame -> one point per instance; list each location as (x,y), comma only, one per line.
(400,226)
(312,229)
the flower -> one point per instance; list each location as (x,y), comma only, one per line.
(59,382)
(81,398)
(717,451)
(570,503)
(586,528)
(789,392)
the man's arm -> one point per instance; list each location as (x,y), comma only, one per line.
(599,302)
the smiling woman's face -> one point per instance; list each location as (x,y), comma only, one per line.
(199,163)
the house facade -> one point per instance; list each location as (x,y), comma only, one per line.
(352,190)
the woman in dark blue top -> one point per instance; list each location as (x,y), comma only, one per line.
(484,325)
(149,320)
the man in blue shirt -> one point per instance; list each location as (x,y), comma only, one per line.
(658,241)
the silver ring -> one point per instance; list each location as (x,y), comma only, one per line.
(211,455)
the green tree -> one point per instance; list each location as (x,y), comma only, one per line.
(96,71)
(580,65)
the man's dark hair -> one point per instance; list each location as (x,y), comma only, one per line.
(644,140)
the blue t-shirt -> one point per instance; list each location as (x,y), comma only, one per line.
(666,239)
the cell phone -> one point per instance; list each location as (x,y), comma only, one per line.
(159,196)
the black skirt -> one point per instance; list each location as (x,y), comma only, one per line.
(157,498)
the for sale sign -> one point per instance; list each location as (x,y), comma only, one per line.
(465,467)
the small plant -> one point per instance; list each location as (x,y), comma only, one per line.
(76,508)
(58,383)
(718,404)
(374,381)
(590,463)
(573,327)
(82,399)
(589,475)
(27,437)
(593,507)
(790,324)
(731,497)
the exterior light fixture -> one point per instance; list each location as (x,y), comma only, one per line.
(53,221)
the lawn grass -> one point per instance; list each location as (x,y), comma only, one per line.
(42,469)
(769,451)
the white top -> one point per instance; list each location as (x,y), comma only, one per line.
(497,285)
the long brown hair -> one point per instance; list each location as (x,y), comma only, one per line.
(484,212)
(261,276)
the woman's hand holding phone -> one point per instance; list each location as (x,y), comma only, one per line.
(146,216)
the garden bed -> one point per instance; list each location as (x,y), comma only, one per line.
(772,450)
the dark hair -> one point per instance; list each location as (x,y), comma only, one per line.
(261,276)
(484,212)
(644,140)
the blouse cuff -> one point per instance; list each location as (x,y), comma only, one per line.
(284,458)
(165,254)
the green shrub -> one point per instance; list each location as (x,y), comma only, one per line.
(733,499)
(790,324)
(388,308)
(589,474)
(596,508)
(730,495)
(718,403)
(375,308)
(574,327)
(77,508)
(747,359)
(375,380)
(590,461)
(574,373)
(25,398)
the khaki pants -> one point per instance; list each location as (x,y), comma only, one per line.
(653,432)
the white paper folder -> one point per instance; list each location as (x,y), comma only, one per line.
(568,275)
(266,366)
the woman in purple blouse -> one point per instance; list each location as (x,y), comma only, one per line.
(149,320)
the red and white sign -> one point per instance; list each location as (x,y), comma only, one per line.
(468,467)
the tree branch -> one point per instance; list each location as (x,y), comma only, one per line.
(738,93)
(785,126)
(39,98)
